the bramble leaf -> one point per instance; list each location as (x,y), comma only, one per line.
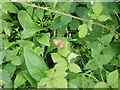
(83,30)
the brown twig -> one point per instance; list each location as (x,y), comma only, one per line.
(70,16)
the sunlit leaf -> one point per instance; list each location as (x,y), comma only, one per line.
(74,68)
(57,58)
(19,80)
(97,8)
(101,85)
(83,30)
(103,18)
(72,55)
(112,79)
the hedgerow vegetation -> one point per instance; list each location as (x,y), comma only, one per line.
(53,49)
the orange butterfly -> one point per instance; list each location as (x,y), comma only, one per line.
(59,43)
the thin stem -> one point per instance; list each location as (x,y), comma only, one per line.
(92,77)
(101,75)
(69,16)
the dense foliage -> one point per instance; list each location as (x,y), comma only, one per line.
(42,49)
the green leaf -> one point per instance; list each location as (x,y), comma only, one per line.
(61,30)
(7,31)
(92,65)
(44,39)
(96,50)
(76,81)
(50,84)
(35,64)
(9,6)
(24,18)
(25,43)
(5,15)
(50,73)
(57,58)
(97,8)
(10,54)
(106,39)
(82,12)
(103,18)
(66,6)
(66,50)
(61,66)
(72,8)
(65,20)
(90,26)
(74,24)
(59,83)
(7,45)
(54,79)
(112,79)
(30,79)
(16,60)
(56,23)
(30,27)
(43,81)
(30,11)
(101,85)
(10,69)
(60,74)
(72,85)
(19,80)
(105,59)
(1,57)
(72,55)
(6,78)
(38,50)
(74,68)
(57,78)
(40,13)
(83,30)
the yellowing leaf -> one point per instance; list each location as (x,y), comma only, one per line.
(61,66)
(83,30)
(101,85)
(43,81)
(97,8)
(57,58)
(60,83)
(2,82)
(103,18)
(72,55)
(74,68)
